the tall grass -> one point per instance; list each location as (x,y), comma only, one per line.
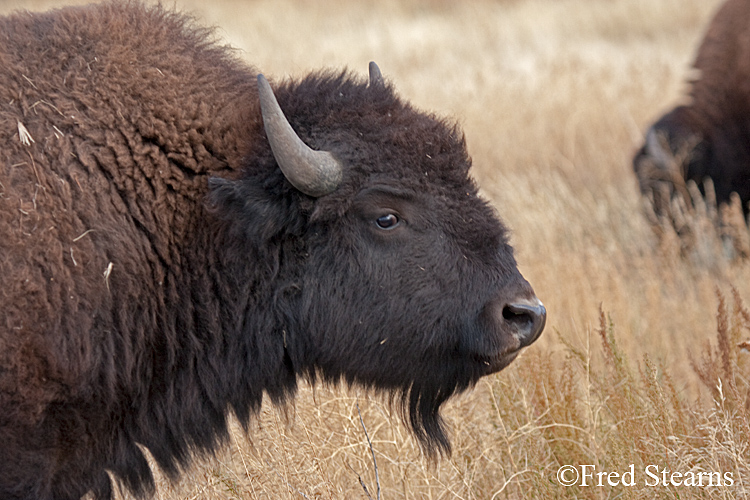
(640,362)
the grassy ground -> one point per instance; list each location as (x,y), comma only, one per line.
(639,363)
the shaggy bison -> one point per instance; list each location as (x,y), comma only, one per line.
(710,137)
(171,250)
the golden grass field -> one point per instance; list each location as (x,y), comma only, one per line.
(554,97)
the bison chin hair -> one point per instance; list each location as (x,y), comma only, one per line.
(420,407)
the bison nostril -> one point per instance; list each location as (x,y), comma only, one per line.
(528,320)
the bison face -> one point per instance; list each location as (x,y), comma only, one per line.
(400,277)
(409,286)
(414,292)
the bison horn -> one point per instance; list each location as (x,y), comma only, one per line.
(315,173)
(655,147)
(376,77)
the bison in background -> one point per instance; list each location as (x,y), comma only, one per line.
(171,250)
(710,137)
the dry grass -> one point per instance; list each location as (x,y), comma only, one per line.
(554,96)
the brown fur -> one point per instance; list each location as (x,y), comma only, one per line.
(710,137)
(94,169)
(114,165)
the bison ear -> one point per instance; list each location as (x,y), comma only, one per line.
(252,211)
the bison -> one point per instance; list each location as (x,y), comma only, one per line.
(172,249)
(709,137)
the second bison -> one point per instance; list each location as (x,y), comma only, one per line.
(172,249)
(709,137)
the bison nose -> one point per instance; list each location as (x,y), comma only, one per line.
(527,318)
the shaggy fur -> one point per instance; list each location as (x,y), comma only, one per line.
(159,272)
(711,136)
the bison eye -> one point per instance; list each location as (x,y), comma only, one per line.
(388,221)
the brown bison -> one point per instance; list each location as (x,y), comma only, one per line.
(710,137)
(172,249)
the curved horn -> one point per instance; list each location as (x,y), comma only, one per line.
(315,173)
(376,77)
(655,148)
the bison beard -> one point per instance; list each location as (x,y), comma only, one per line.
(165,262)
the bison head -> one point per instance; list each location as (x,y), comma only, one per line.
(384,266)
(674,152)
